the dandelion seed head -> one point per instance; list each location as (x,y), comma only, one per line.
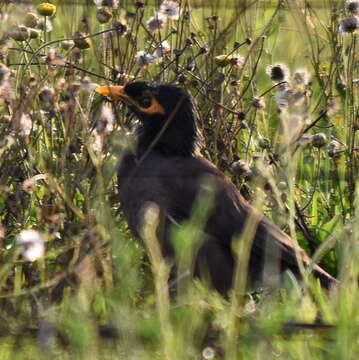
(283,98)
(162,49)
(349,25)
(106,120)
(301,77)
(258,103)
(156,23)
(108,3)
(143,58)
(278,72)
(171,9)
(352,6)
(46,95)
(121,27)
(32,244)
(208,353)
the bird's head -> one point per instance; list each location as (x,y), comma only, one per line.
(167,113)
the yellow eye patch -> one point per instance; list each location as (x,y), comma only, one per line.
(118,92)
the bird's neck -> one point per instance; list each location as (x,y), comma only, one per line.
(174,139)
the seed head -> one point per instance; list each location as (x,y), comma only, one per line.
(162,49)
(20,33)
(103,15)
(46,95)
(25,125)
(108,3)
(352,6)
(349,25)
(156,23)
(106,120)
(241,169)
(319,140)
(278,72)
(31,20)
(334,149)
(301,77)
(171,9)
(258,103)
(143,58)
(32,244)
(81,41)
(121,27)
(283,98)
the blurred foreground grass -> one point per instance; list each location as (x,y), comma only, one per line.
(92,295)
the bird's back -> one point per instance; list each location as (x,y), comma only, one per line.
(173,184)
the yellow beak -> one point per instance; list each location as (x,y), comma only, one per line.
(116,92)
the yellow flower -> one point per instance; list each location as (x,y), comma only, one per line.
(46,9)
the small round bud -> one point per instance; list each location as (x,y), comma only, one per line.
(46,95)
(241,115)
(121,27)
(258,103)
(46,9)
(67,44)
(81,41)
(31,20)
(319,140)
(139,4)
(334,149)
(103,15)
(21,33)
(34,34)
(282,185)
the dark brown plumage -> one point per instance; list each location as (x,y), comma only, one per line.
(165,170)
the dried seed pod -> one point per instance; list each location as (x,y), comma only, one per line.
(319,140)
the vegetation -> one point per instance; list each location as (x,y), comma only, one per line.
(276,86)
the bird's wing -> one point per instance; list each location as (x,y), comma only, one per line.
(182,179)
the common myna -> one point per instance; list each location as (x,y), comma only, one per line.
(165,170)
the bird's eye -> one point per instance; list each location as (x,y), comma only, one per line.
(145,102)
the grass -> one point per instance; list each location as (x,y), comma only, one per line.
(97,292)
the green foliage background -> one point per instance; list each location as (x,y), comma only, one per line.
(99,293)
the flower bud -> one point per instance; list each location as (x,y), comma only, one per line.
(104,15)
(31,20)
(21,33)
(319,140)
(81,42)
(46,9)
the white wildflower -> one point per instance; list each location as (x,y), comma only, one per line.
(144,58)
(156,22)
(349,25)
(283,97)
(25,124)
(106,120)
(352,6)
(109,3)
(278,72)
(32,244)
(171,9)
(162,49)
(301,77)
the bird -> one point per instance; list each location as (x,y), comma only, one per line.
(165,169)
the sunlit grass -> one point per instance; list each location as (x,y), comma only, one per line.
(99,293)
